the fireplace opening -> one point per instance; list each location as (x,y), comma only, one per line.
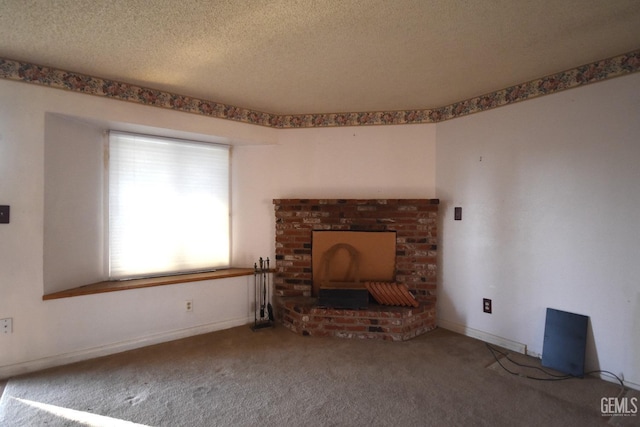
(349,259)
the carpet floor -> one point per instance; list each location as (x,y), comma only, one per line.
(273,377)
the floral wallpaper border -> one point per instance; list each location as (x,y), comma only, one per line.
(61,79)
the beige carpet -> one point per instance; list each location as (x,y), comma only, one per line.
(273,377)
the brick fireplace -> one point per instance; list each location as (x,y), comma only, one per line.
(414,222)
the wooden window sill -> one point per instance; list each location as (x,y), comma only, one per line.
(113,286)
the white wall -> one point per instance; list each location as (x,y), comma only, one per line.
(73,203)
(367,163)
(46,176)
(550,198)
(46,333)
(548,218)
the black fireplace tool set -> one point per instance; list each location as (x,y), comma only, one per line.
(263,312)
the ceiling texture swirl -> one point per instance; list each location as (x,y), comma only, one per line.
(293,63)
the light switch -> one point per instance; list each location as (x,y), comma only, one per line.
(457,214)
(4,214)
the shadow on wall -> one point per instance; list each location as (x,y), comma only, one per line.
(591,360)
(443,298)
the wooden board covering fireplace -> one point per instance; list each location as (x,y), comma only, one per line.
(376,256)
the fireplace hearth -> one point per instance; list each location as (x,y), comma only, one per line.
(413,263)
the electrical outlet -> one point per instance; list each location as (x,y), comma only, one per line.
(6,325)
(188,305)
(486,305)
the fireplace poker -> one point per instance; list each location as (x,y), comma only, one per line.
(269,306)
(264,296)
(256,293)
(261,282)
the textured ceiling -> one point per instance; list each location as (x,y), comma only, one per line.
(306,56)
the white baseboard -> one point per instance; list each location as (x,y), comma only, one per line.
(613,380)
(534,354)
(8,371)
(514,346)
(483,336)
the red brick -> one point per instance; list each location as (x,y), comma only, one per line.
(414,220)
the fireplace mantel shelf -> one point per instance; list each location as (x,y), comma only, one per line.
(113,286)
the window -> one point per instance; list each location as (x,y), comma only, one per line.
(168,206)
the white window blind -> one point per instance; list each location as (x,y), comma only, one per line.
(168,206)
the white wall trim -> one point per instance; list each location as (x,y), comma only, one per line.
(613,380)
(8,371)
(483,336)
(515,346)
